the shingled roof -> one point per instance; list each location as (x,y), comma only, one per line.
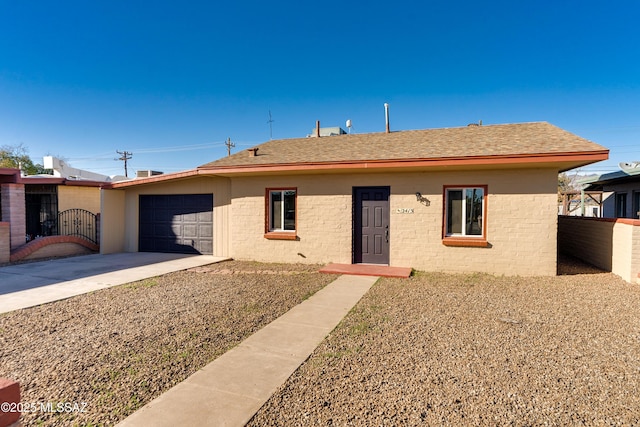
(523,139)
(513,145)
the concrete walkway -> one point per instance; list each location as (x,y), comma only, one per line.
(31,284)
(231,389)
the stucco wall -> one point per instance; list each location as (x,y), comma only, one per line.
(112,221)
(219,187)
(613,245)
(521,220)
(77,197)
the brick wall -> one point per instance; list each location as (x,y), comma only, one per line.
(5,243)
(52,246)
(59,250)
(13,211)
(9,393)
(521,220)
(613,245)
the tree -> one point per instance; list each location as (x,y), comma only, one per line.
(565,183)
(16,156)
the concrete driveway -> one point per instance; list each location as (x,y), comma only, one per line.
(31,284)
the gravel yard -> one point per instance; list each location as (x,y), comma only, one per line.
(441,349)
(435,349)
(118,348)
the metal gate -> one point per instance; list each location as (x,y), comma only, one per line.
(78,222)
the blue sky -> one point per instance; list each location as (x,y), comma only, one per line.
(171,81)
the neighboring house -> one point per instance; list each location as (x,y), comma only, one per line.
(621,189)
(613,241)
(469,199)
(580,203)
(42,206)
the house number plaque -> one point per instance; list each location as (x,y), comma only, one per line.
(404,210)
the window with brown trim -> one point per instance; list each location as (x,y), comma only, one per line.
(464,222)
(280,213)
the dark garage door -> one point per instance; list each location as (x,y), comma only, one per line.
(176,223)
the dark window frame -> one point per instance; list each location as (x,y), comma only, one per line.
(621,204)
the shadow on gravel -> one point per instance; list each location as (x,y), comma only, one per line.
(570,266)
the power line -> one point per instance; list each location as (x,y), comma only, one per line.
(124,156)
(270,121)
(229,145)
(180,148)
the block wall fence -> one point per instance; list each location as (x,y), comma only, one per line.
(610,244)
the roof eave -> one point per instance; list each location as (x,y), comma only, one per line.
(61,181)
(564,161)
(152,179)
(615,180)
(13,176)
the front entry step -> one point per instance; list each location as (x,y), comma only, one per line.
(367,270)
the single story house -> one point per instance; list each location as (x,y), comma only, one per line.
(468,199)
(622,190)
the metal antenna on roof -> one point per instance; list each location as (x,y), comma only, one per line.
(124,156)
(270,127)
(386,116)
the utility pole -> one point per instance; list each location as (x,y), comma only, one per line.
(270,127)
(229,145)
(124,156)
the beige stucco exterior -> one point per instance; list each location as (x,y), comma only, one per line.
(521,218)
(120,209)
(78,197)
(112,222)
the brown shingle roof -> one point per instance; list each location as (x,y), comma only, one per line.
(464,142)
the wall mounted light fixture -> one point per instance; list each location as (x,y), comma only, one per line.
(422,199)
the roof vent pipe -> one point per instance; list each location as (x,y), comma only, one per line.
(386,116)
(317,128)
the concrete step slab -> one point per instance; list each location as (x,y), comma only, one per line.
(368,270)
